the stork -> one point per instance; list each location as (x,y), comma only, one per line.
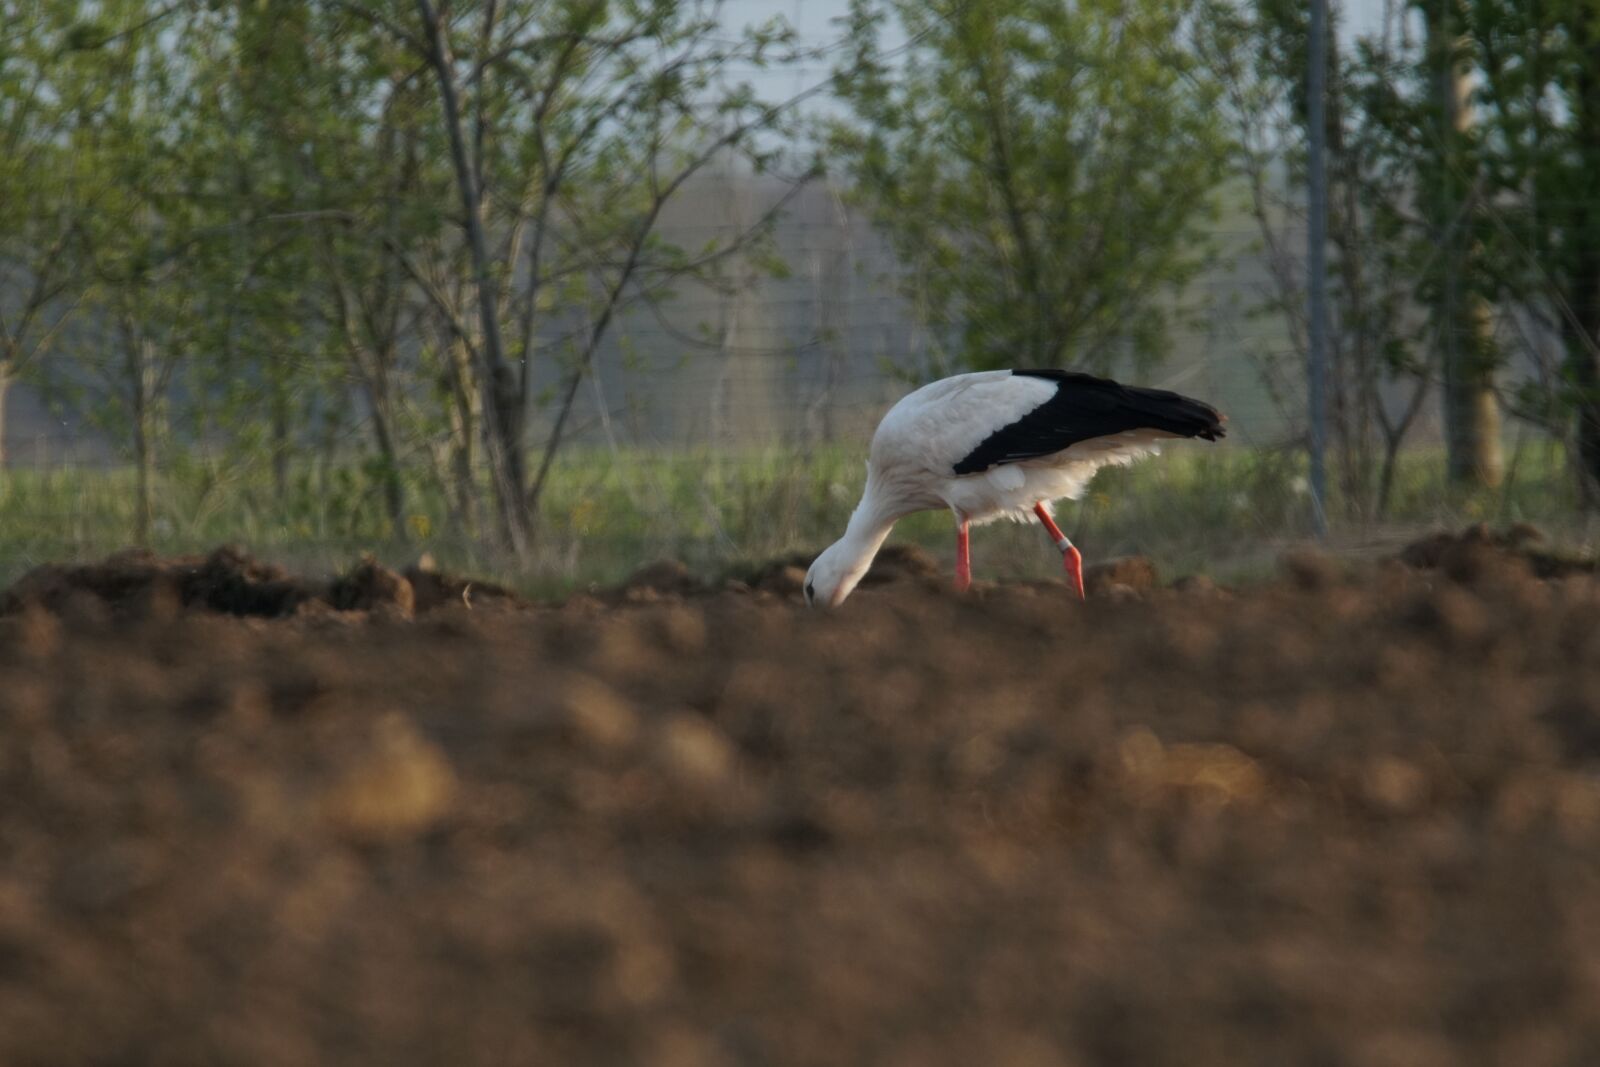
(999,444)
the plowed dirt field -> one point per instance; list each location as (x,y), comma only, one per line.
(1351,816)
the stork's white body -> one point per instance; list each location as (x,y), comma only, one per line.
(999,444)
(928,431)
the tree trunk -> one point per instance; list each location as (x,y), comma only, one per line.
(507,456)
(1471,408)
(136,367)
(1583,351)
(1356,370)
(1585,373)
(394,493)
(465,410)
(144,474)
(1582,233)
(5,396)
(280,441)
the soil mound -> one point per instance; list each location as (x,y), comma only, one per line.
(229,581)
(1479,550)
(1129,574)
(433,588)
(371,586)
(664,577)
(786,575)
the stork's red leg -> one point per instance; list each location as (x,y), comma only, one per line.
(1069,552)
(963,559)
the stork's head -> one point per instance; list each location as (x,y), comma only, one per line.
(835,573)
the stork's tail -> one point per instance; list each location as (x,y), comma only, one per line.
(1174,413)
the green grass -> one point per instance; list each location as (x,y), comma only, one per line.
(1225,511)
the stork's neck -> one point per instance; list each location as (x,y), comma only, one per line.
(869,527)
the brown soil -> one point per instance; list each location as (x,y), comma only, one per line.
(1348,817)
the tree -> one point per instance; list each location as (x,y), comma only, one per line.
(259,121)
(133,231)
(1449,187)
(395,219)
(1409,290)
(132,246)
(372,148)
(1042,167)
(568,127)
(1540,100)
(44,194)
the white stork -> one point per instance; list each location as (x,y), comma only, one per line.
(999,444)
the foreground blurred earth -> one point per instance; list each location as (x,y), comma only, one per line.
(1350,816)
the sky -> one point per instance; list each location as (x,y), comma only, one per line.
(814,19)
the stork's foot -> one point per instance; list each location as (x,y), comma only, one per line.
(963,558)
(1074,563)
(1070,556)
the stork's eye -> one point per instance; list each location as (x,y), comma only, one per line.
(811,593)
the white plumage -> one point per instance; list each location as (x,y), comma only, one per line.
(998,444)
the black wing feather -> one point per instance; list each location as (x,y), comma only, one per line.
(1085,407)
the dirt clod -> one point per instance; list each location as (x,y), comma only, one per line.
(433,588)
(1195,585)
(1136,573)
(371,586)
(400,784)
(596,715)
(1115,593)
(1310,569)
(229,581)
(1480,552)
(668,576)
(694,751)
(233,583)
(899,562)
(786,580)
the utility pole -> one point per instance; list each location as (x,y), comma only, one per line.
(1317,269)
